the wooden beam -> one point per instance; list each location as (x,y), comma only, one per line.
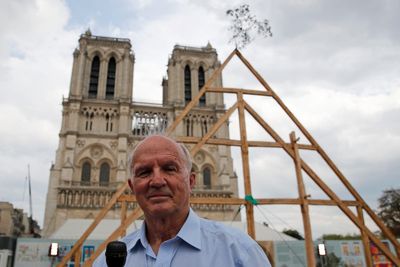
(123,215)
(117,233)
(93,225)
(231,142)
(237,90)
(325,156)
(246,168)
(213,130)
(329,202)
(202,91)
(211,141)
(324,187)
(77,256)
(261,201)
(365,240)
(303,203)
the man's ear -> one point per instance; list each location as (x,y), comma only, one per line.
(130,182)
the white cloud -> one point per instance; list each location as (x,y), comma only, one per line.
(36,61)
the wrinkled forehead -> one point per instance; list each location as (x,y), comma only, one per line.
(156,146)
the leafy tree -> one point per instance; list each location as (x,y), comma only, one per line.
(293,233)
(245,26)
(389,210)
(341,237)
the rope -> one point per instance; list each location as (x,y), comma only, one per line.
(286,243)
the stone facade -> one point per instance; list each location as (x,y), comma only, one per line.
(15,222)
(101,125)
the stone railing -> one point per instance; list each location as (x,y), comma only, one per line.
(96,197)
(211,194)
(87,195)
(149,119)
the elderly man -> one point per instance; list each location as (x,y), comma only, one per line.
(172,234)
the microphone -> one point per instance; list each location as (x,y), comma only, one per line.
(116,254)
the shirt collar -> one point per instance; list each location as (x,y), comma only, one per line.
(190,233)
(137,236)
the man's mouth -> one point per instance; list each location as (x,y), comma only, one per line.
(159,196)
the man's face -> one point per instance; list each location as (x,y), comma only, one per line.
(160,180)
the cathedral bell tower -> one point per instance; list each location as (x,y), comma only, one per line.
(188,70)
(91,159)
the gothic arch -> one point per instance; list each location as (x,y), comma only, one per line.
(84,159)
(204,159)
(91,53)
(106,172)
(90,151)
(86,168)
(202,64)
(189,63)
(115,54)
(208,174)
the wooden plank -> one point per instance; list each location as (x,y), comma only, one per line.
(237,90)
(117,232)
(261,201)
(211,141)
(217,200)
(77,256)
(213,130)
(365,240)
(196,99)
(325,188)
(231,142)
(246,167)
(123,215)
(93,225)
(127,198)
(329,202)
(303,203)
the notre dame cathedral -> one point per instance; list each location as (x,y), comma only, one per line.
(101,125)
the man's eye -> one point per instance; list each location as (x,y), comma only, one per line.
(171,168)
(143,173)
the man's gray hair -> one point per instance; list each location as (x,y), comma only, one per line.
(187,157)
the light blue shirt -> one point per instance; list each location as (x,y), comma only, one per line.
(199,243)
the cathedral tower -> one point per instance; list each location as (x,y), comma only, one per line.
(101,125)
(96,124)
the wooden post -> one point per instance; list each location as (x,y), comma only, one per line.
(213,130)
(365,239)
(133,216)
(93,225)
(303,204)
(77,257)
(325,188)
(123,216)
(246,168)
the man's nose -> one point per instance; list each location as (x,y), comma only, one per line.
(158,179)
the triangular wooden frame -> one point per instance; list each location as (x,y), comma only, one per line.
(292,149)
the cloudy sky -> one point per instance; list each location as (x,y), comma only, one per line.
(335,64)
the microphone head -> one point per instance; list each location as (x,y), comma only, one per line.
(116,254)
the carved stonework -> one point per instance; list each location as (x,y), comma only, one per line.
(199,157)
(113,144)
(96,151)
(80,143)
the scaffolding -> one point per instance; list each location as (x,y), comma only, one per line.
(292,149)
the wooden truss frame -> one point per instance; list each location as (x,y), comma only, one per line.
(292,149)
